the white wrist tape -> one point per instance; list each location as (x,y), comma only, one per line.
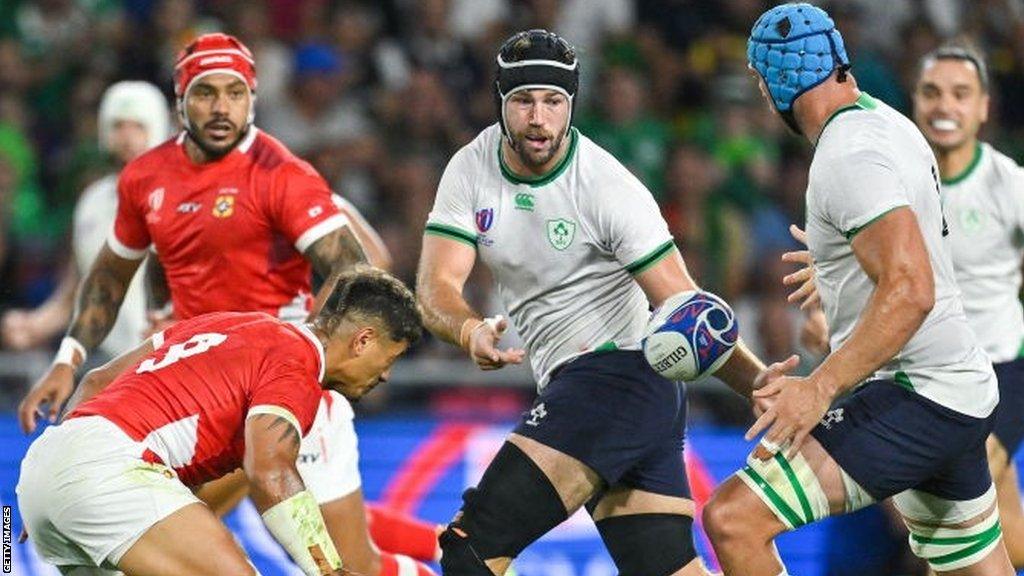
(297,524)
(66,353)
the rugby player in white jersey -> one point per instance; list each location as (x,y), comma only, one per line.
(914,392)
(133,117)
(579,251)
(983,199)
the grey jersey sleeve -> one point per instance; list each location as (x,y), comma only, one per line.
(864,185)
(630,224)
(452,215)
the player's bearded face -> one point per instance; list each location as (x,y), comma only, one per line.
(949,104)
(537,122)
(217,107)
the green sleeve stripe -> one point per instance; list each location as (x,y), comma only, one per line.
(981,541)
(773,496)
(452,233)
(651,258)
(800,494)
(853,232)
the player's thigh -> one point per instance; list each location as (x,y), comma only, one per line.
(346,523)
(575,482)
(190,541)
(778,493)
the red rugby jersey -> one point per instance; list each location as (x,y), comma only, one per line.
(231,233)
(186,403)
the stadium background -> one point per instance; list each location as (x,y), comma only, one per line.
(379,94)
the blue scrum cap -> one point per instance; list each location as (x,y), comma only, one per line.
(795,47)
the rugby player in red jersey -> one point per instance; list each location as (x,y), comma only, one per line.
(239,224)
(109,488)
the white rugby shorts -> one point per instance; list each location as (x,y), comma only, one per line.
(86,496)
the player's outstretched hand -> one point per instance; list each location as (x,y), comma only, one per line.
(483,345)
(799,404)
(53,389)
(806,292)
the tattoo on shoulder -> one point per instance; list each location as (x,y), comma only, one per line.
(338,250)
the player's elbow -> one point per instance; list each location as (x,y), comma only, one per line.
(914,294)
(270,483)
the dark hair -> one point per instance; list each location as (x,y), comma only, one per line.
(957,50)
(368,294)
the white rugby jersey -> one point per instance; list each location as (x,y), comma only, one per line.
(564,248)
(94,216)
(985,209)
(869,160)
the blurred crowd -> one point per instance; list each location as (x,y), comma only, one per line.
(378,94)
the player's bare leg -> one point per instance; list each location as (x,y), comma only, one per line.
(190,541)
(742,528)
(345,518)
(346,523)
(621,501)
(1011,514)
(574,481)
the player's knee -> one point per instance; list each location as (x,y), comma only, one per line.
(718,516)
(458,555)
(514,505)
(644,544)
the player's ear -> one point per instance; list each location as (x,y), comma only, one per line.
(984,107)
(363,339)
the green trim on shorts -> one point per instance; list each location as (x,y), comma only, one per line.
(981,541)
(800,494)
(451,233)
(772,495)
(903,380)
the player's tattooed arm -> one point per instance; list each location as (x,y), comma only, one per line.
(271,448)
(158,293)
(336,251)
(100,296)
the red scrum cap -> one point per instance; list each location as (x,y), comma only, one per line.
(212,54)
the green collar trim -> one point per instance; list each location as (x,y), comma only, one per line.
(538,181)
(966,171)
(863,102)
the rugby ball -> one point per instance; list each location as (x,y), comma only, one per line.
(690,335)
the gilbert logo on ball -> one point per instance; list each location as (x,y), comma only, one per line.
(690,335)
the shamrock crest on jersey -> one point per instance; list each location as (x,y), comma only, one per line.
(561,233)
